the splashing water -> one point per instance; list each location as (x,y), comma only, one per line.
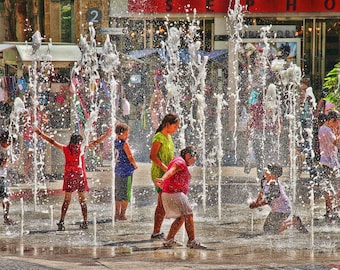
(195,71)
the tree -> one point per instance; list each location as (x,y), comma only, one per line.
(332,84)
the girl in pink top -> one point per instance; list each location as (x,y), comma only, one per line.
(175,186)
(74,172)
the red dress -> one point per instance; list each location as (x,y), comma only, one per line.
(74,171)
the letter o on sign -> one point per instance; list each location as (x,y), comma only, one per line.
(94,15)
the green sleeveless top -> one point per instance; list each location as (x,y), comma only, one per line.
(166,153)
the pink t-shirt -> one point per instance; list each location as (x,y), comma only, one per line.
(328,151)
(180,181)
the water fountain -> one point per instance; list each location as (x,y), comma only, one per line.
(179,90)
(287,78)
(26,109)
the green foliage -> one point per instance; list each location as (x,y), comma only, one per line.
(66,22)
(331,83)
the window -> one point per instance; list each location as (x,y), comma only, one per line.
(66,10)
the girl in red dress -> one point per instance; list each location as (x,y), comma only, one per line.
(74,172)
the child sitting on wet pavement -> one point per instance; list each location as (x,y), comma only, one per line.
(272,193)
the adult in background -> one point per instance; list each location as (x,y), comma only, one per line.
(157,102)
(307,106)
(329,164)
(4,145)
(264,128)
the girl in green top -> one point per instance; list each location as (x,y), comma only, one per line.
(161,153)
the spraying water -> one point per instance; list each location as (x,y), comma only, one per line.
(109,64)
(179,90)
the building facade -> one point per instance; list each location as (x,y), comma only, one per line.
(139,24)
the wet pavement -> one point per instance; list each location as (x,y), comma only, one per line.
(234,241)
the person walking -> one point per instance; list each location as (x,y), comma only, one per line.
(161,153)
(4,145)
(124,167)
(305,147)
(175,186)
(329,164)
(74,171)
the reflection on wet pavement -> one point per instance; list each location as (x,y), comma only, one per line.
(234,242)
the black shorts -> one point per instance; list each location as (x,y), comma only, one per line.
(274,221)
(3,188)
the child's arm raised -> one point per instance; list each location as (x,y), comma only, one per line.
(100,139)
(48,139)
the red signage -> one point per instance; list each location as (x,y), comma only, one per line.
(221,6)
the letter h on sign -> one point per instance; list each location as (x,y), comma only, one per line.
(291,4)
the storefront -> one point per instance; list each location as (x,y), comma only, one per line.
(315,23)
(53,64)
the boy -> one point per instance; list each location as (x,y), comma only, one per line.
(175,185)
(273,194)
(125,166)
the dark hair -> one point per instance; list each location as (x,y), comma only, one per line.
(121,127)
(322,118)
(74,143)
(275,169)
(76,138)
(4,136)
(188,150)
(333,115)
(170,118)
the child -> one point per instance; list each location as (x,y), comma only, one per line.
(125,166)
(74,172)
(273,194)
(161,153)
(175,185)
(4,144)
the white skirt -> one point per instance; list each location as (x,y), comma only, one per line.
(176,205)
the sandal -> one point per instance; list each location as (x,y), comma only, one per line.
(84,225)
(61,226)
(172,243)
(195,244)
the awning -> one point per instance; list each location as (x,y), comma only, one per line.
(4,47)
(142,53)
(61,55)
(217,55)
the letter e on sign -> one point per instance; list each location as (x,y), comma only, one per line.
(94,15)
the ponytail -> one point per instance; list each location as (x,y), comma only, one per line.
(170,118)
